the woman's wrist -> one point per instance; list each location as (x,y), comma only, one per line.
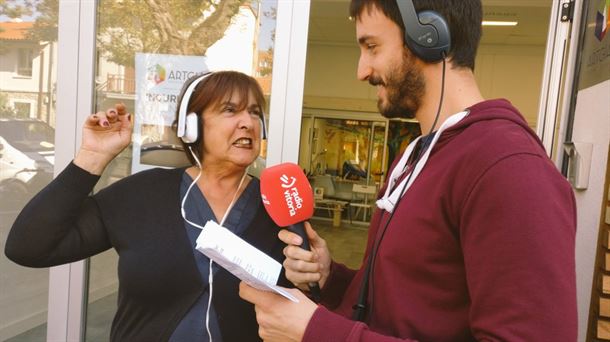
(93,162)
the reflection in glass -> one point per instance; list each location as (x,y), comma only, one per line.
(347,160)
(28,41)
(231,34)
(343,148)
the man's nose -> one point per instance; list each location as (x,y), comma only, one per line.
(364,68)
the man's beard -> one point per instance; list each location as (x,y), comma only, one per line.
(405,86)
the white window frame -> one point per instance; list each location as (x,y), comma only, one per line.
(32,103)
(20,67)
(286,107)
(559,66)
(75,82)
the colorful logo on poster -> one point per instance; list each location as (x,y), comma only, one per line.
(602,19)
(156,73)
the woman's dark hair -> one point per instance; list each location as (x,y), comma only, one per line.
(464,18)
(212,91)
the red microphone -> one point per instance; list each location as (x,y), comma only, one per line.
(288,198)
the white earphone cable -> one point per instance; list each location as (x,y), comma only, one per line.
(226,214)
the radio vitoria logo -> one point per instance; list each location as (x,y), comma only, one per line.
(156,73)
(602,20)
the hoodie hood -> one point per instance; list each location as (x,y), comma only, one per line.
(496,109)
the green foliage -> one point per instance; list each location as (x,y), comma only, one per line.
(184,27)
(5,110)
(45,12)
(16,9)
(45,26)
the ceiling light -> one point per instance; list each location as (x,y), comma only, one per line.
(499,23)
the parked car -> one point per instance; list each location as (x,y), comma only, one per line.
(27,156)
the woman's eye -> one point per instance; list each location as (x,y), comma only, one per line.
(228,109)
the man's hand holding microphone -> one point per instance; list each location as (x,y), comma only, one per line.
(289,202)
(305,266)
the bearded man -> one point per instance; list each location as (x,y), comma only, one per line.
(474,235)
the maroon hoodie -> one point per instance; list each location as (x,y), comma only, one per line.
(480,248)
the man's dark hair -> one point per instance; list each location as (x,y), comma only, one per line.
(463,17)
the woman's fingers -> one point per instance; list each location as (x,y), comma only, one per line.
(98,119)
(115,114)
(103,119)
(112,115)
(109,117)
(92,120)
(120,108)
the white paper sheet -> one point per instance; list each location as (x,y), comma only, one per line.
(240,258)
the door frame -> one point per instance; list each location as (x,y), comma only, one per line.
(75,75)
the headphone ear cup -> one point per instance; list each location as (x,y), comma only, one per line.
(427,34)
(191,131)
(441,48)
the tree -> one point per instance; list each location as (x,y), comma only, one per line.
(183,27)
(16,9)
(45,12)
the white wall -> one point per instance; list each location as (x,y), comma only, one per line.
(512,72)
(591,125)
(330,80)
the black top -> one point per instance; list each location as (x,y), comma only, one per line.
(138,216)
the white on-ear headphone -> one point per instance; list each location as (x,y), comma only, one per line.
(188,125)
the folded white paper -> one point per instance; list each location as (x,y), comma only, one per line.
(243,260)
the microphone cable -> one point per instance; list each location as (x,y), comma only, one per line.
(361,307)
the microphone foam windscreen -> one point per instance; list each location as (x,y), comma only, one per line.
(286,194)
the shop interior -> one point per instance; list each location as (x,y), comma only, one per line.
(346,146)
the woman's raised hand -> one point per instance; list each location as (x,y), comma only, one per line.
(105,135)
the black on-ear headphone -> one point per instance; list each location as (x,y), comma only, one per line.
(426,33)
(188,124)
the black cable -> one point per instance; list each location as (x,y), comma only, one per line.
(360,308)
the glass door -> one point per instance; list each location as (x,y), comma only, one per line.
(143,64)
(28,74)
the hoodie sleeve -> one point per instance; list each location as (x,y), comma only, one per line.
(326,326)
(517,233)
(339,279)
